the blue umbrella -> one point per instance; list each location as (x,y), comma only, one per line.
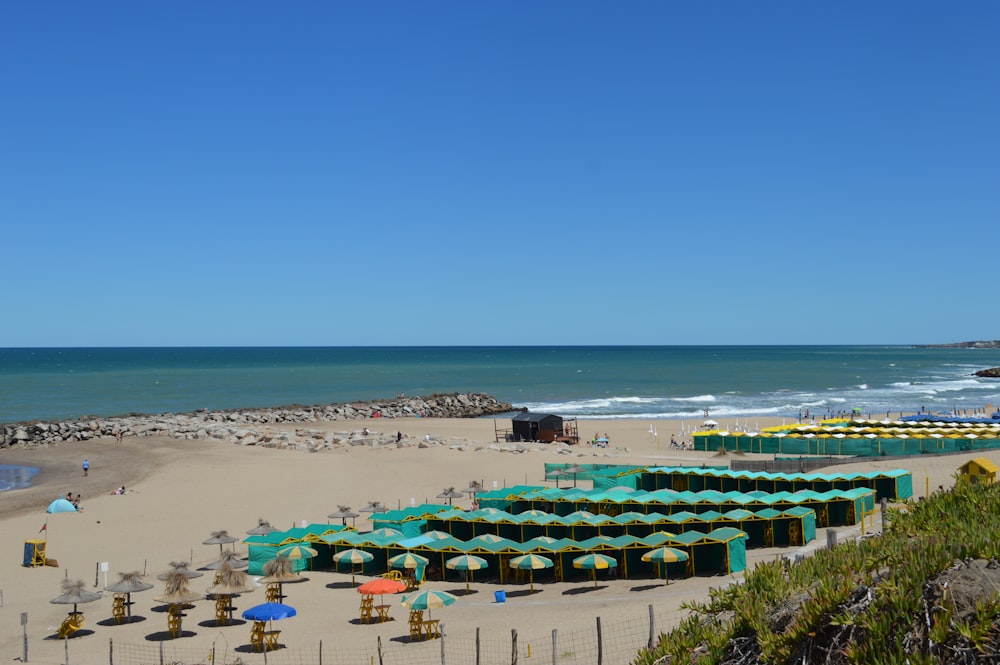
(269,612)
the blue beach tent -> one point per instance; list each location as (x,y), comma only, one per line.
(61,506)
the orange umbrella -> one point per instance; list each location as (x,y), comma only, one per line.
(381,586)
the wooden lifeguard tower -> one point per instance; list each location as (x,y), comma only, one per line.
(979,470)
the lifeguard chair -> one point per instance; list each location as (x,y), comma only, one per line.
(34,553)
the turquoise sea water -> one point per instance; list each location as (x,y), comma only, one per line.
(593,382)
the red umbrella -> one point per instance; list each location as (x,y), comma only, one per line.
(380,586)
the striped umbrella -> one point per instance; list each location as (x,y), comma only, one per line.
(594,562)
(353,557)
(468,563)
(385,532)
(428,599)
(407,560)
(297,552)
(531,563)
(663,555)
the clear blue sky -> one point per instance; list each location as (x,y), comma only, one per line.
(442,173)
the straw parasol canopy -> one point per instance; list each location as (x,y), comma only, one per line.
(220,538)
(231,582)
(262,529)
(74,593)
(179,566)
(343,513)
(374,507)
(474,488)
(280,570)
(230,559)
(176,590)
(129,583)
(450,494)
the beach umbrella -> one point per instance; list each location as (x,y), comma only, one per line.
(573,470)
(531,563)
(594,562)
(296,552)
(557,474)
(474,488)
(279,571)
(450,494)
(343,513)
(263,528)
(374,507)
(385,532)
(75,593)
(230,559)
(175,594)
(129,583)
(429,599)
(664,555)
(179,567)
(436,535)
(353,557)
(381,586)
(269,612)
(220,538)
(407,560)
(229,583)
(468,563)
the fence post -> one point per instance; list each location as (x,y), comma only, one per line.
(161,652)
(651,630)
(555,648)
(477,645)
(441,628)
(513,646)
(379,650)
(213,654)
(320,653)
(111,651)
(600,643)
(66,648)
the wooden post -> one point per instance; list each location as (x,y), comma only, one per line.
(600,644)
(321,652)
(513,646)
(477,645)
(441,628)
(555,648)
(66,648)
(650,644)
(111,652)
(379,650)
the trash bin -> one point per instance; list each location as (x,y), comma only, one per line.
(500,596)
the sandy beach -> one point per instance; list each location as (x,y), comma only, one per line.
(181,491)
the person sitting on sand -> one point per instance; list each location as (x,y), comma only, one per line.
(120,490)
(76,502)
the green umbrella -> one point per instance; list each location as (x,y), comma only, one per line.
(665,555)
(468,563)
(297,552)
(428,599)
(353,557)
(531,563)
(594,562)
(407,560)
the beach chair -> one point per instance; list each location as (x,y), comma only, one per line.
(257,636)
(222,608)
(273,593)
(72,623)
(393,575)
(118,608)
(367,603)
(174,620)
(416,625)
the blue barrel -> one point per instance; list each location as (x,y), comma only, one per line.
(500,596)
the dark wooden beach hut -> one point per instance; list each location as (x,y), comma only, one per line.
(529,426)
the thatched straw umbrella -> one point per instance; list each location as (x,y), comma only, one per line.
(179,567)
(449,493)
(278,571)
(229,583)
(220,538)
(374,507)
(262,529)
(230,559)
(129,583)
(176,593)
(74,593)
(343,513)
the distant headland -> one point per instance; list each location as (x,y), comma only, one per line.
(987,344)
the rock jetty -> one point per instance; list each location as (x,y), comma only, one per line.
(250,426)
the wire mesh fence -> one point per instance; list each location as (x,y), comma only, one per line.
(613,641)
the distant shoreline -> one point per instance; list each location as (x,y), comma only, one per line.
(983,344)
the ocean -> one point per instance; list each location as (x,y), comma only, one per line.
(647,382)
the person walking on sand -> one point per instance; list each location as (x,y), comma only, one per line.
(86,467)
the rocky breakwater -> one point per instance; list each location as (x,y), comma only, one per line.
(252,426)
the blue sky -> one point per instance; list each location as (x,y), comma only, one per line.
(442,173)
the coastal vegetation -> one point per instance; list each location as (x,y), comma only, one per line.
(925,591)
